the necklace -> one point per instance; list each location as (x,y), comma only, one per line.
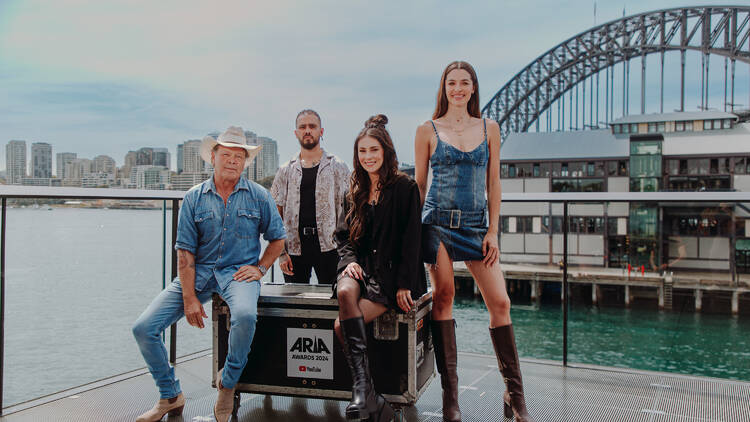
(460,127)
(308,164)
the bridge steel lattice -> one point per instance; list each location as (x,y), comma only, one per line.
(722,31)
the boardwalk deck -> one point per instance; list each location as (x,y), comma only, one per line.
(554,393)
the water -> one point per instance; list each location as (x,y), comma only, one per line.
(76,280)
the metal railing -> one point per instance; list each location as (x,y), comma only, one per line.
(7,192)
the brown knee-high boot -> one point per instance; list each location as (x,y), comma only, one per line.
(444,339)
(507,358)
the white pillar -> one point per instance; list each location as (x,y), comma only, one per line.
(627,295)
(698,300)
(735,302)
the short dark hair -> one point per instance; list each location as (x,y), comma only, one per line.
(308,111)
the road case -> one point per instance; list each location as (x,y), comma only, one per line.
(295,351)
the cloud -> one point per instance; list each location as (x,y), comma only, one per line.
(106,77)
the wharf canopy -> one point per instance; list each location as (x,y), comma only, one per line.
(681,151)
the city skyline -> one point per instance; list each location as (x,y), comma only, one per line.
(173,163)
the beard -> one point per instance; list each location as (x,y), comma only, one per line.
(309,142)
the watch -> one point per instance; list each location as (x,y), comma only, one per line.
(262,269)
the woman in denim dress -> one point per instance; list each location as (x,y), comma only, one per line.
(463,151)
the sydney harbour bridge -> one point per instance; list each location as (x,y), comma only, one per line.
(585,81)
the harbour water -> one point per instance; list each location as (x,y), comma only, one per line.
(76,279)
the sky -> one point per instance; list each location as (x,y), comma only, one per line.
(107,77)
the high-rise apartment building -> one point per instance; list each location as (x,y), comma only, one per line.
(191,155)
(160,157)
(41,160)
(269,158)
(63,158)
(104,164)
(15,161)
(180,154)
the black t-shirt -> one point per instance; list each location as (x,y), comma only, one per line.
(307,216)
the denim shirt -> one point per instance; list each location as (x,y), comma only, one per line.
(224,238)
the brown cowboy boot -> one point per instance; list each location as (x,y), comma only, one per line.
(444,339)
(224,401)
(172,406)
(507,359)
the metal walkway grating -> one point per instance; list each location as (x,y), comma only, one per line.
(553,393)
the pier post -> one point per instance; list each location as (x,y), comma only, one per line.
(735,302)
(661,296)
(698,300)
(627,295)
(594,294)
(535,288)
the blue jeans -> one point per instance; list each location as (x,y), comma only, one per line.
(167,308)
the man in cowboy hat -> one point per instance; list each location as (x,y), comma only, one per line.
(218,246)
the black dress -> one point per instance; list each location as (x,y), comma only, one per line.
(389,250)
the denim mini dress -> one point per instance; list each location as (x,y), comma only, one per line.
(455,209)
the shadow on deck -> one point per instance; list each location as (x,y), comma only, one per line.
(553,392)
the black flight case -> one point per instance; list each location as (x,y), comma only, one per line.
(295,351)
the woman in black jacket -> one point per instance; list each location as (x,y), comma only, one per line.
(379,262)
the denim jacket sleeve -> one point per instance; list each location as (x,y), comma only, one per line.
(187,233)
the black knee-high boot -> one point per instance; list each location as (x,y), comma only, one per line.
(366,403)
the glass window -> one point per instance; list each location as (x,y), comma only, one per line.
(645,147)
(707,124)
(545,224)
(634,128)
(512,170)
(565,185)
(576,168)
(626,128)
(557,169)
(504,224)
(623,168)
(679,126)
(683,167)
(503,170)
(652,127)
(557,224)
(590,169)
(524,169)
(592,185)
(689,126)
(564,170)
(714,166)
(739,165)
(661,127)
(544,169)
(600,171)
(645,166)
(535,172)
(673,167)
(526,224)
(644,184)
(726,124)
(612,168)
(616,129)
(717,124)
(723,165)
(698,166)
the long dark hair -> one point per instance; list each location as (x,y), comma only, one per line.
(441,107)
(359,184)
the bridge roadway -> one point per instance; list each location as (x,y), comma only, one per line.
(554,393)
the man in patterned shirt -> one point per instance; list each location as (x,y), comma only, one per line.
(309,192)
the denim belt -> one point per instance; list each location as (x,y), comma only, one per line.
(456,219)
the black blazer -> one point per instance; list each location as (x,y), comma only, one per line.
(396,240)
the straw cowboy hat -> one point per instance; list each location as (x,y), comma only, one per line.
(234,137)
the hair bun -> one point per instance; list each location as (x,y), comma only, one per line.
(378,120)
